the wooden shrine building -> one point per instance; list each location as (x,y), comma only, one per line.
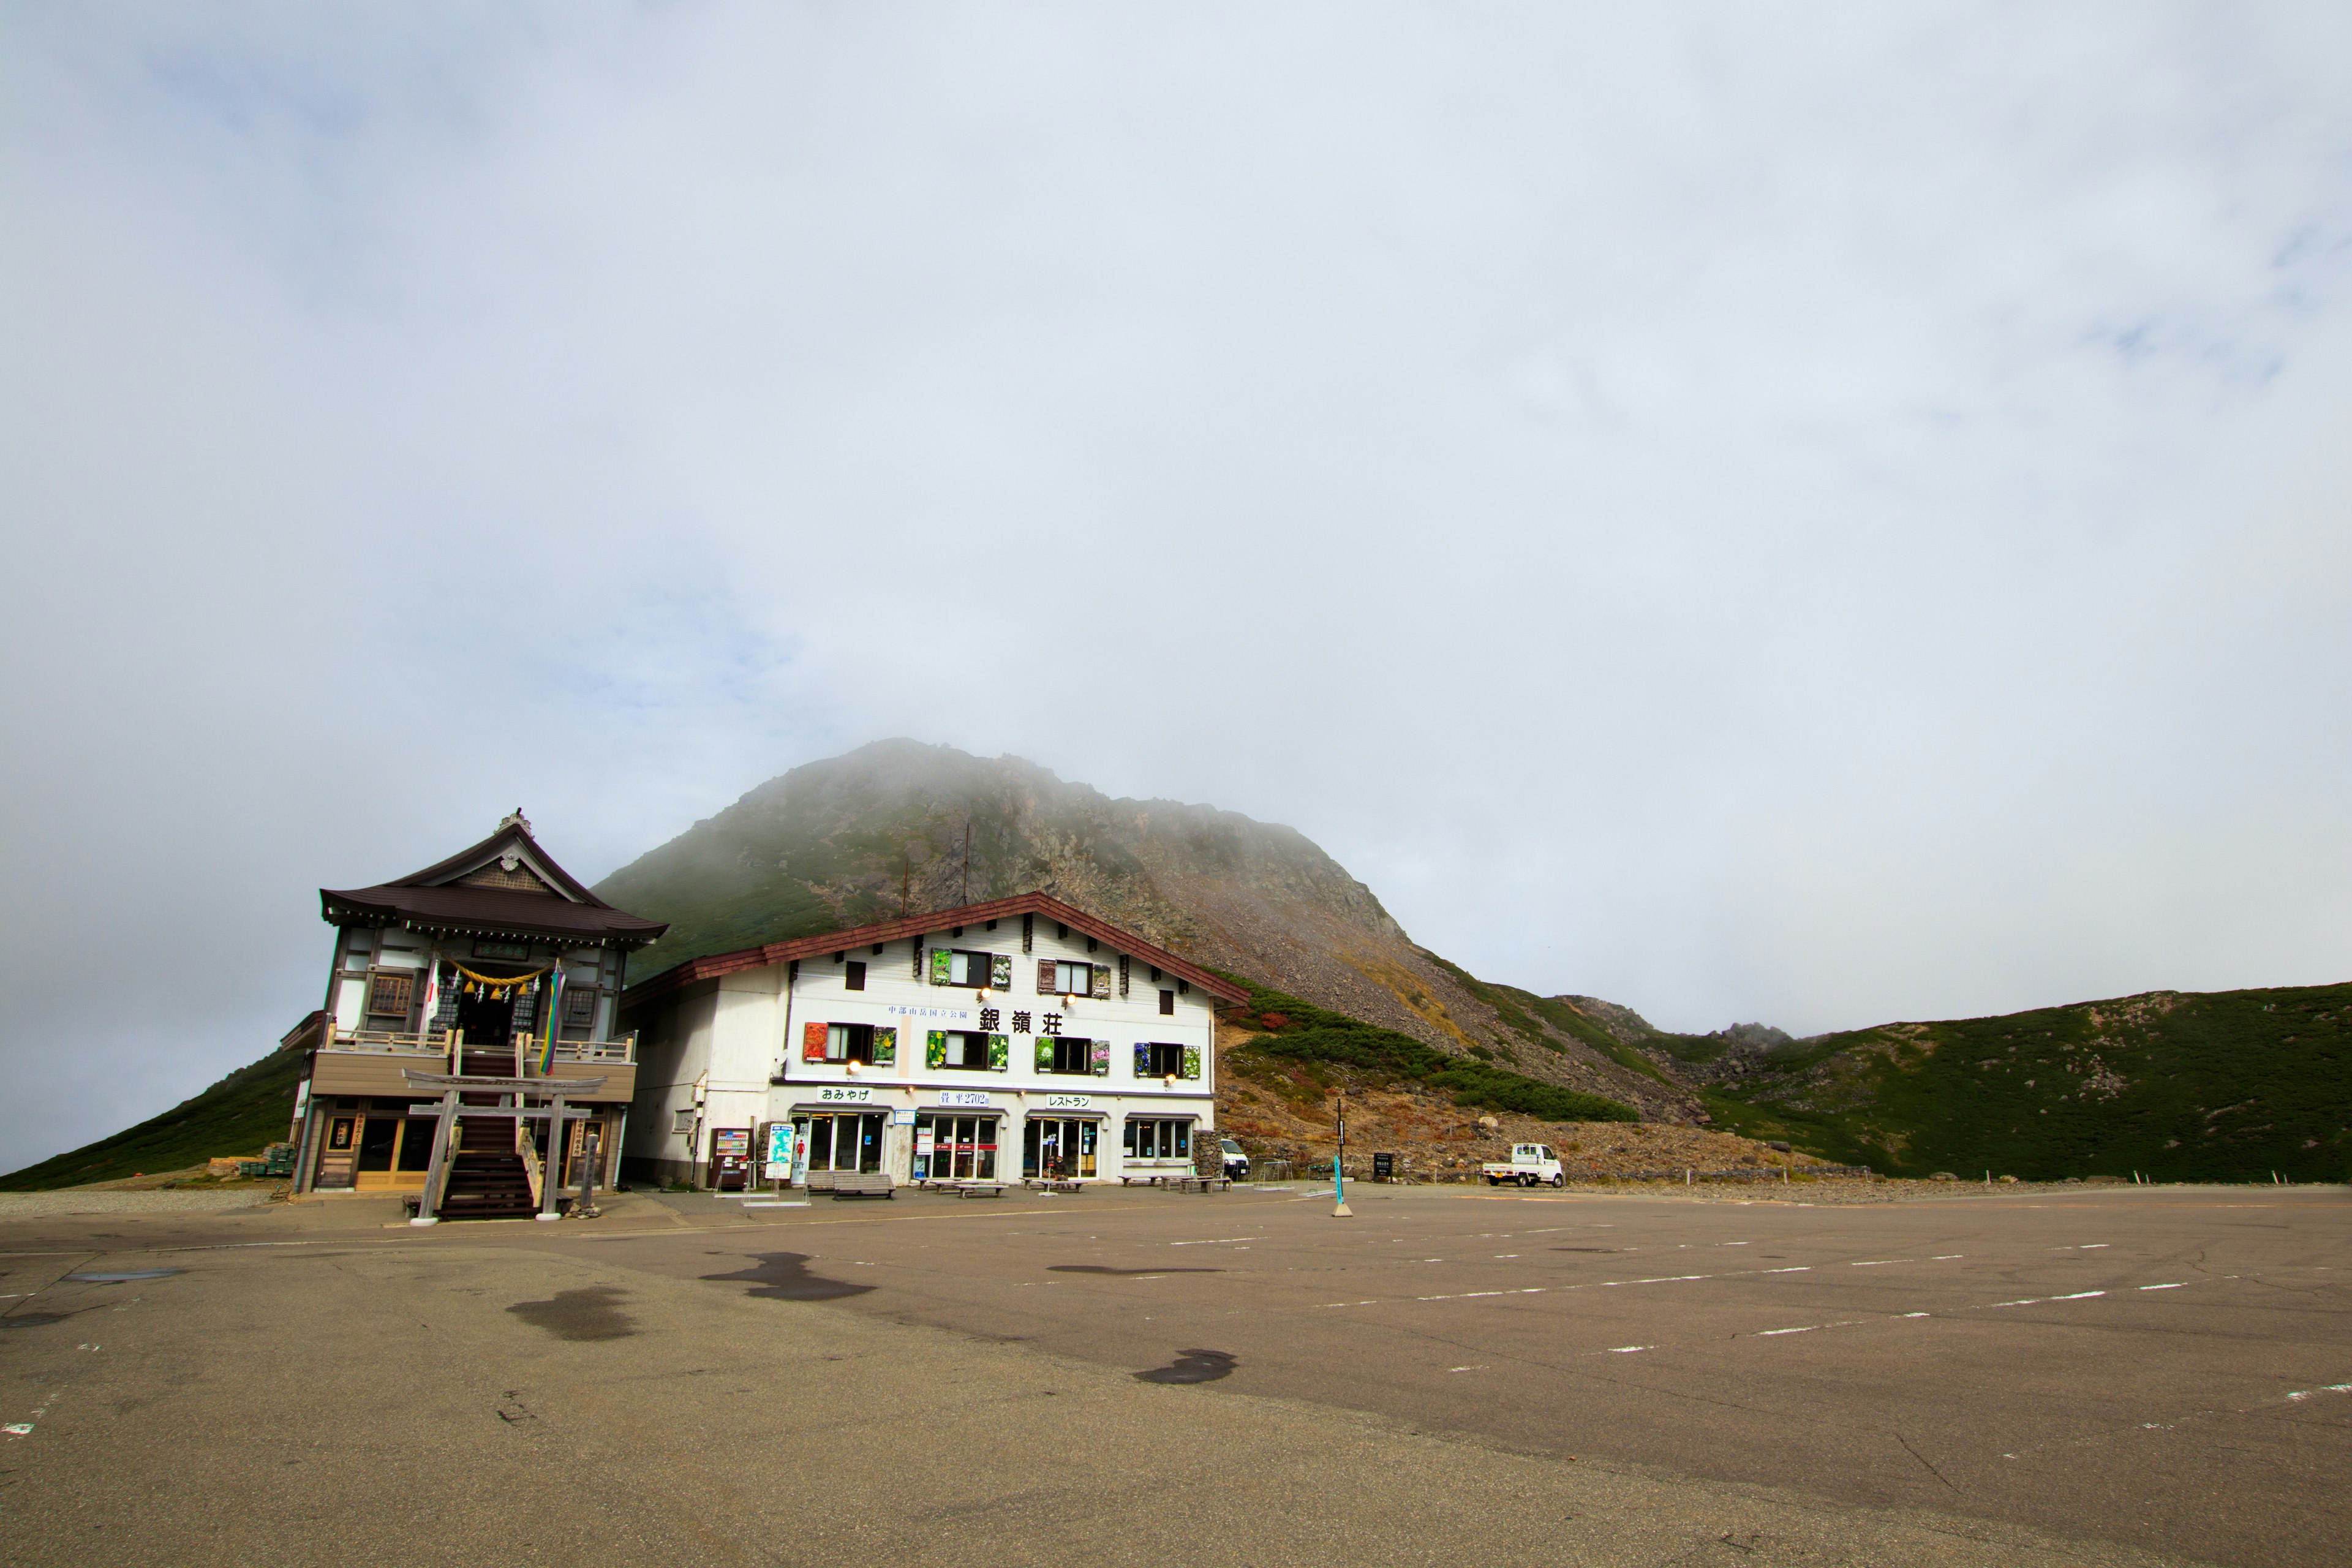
(466,1050)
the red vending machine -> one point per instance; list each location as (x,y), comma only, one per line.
(730,1159)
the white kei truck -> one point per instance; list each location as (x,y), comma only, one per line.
(1531,1164)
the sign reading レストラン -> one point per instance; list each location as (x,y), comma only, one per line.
(1068,1101)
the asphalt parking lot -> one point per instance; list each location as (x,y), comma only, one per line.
(2112,1376)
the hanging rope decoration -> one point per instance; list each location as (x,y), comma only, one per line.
(497,986)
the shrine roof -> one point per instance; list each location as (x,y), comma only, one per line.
(715,964)
(505,886)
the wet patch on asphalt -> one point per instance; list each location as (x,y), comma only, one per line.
(591,1313)
(1191,1367)
(125,1275)
(1104,1268)
(34,1320)
(785,1277)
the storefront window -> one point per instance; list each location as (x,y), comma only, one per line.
(1157,1139)
(955,1148)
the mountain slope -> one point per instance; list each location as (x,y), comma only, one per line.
(901,827)
(2228,1086)
(250,1107)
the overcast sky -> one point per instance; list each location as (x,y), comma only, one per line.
(1819,524)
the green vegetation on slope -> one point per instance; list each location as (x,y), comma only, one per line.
(2223,1086)
(251,1107)
(1296,1031)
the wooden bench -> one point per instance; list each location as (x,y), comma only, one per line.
(977,1189)
(1206,1185)
(820,1181)
(861,1185)
(1053,1184)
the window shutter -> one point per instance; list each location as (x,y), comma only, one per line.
(1192,1061)
(999,970)
(1102,1058)
(935,1048)
(999,1052)
(943,966)
(1102,982)
(1142,1059)
(1122,977)
(886,1047)
(1044,1054)
(1044,977)
(813,1042)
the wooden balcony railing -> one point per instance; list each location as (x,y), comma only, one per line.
(520,1056)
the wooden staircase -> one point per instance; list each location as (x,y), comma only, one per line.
(486,1184)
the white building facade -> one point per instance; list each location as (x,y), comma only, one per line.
(1019,1039)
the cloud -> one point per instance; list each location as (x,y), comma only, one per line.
(1815,524)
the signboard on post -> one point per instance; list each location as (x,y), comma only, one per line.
(1384,1167)
(779,1145)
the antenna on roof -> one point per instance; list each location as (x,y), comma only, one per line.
(516,820)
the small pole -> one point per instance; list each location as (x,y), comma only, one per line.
(1339,1165)
(591,1154)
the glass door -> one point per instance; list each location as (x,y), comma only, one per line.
(1059,1148)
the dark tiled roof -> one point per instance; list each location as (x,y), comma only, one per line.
(1118,941)
(431,899)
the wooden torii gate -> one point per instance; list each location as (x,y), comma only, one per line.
(555,1112)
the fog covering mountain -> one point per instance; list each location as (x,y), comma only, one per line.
(2225,1085)
(898,826)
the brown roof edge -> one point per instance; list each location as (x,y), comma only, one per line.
(571,884)
(713,966)
(311,1030)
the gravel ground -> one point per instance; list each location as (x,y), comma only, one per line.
(73,1200)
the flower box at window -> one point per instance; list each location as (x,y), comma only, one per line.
(1056,977)
(849,1043)
(1161,1059)
(1062,1054)
(1157,1139)
(955,966)
(960,1049)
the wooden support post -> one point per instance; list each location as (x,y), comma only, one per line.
(552,1176)
(436,1174)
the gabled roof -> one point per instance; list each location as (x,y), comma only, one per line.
(922,925)
(505,886)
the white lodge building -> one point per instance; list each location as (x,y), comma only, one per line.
(996,1042)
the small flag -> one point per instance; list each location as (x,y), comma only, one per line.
(554,1003)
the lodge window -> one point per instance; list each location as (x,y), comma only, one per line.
(1167,1002)
(969,968)
(966,1050)
(681,1120)
(849,1043)
(1070,1055)
(1073,980)
(390,993)
(1161,1061)
(1152,1138)
(854,977)
(580,1006)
